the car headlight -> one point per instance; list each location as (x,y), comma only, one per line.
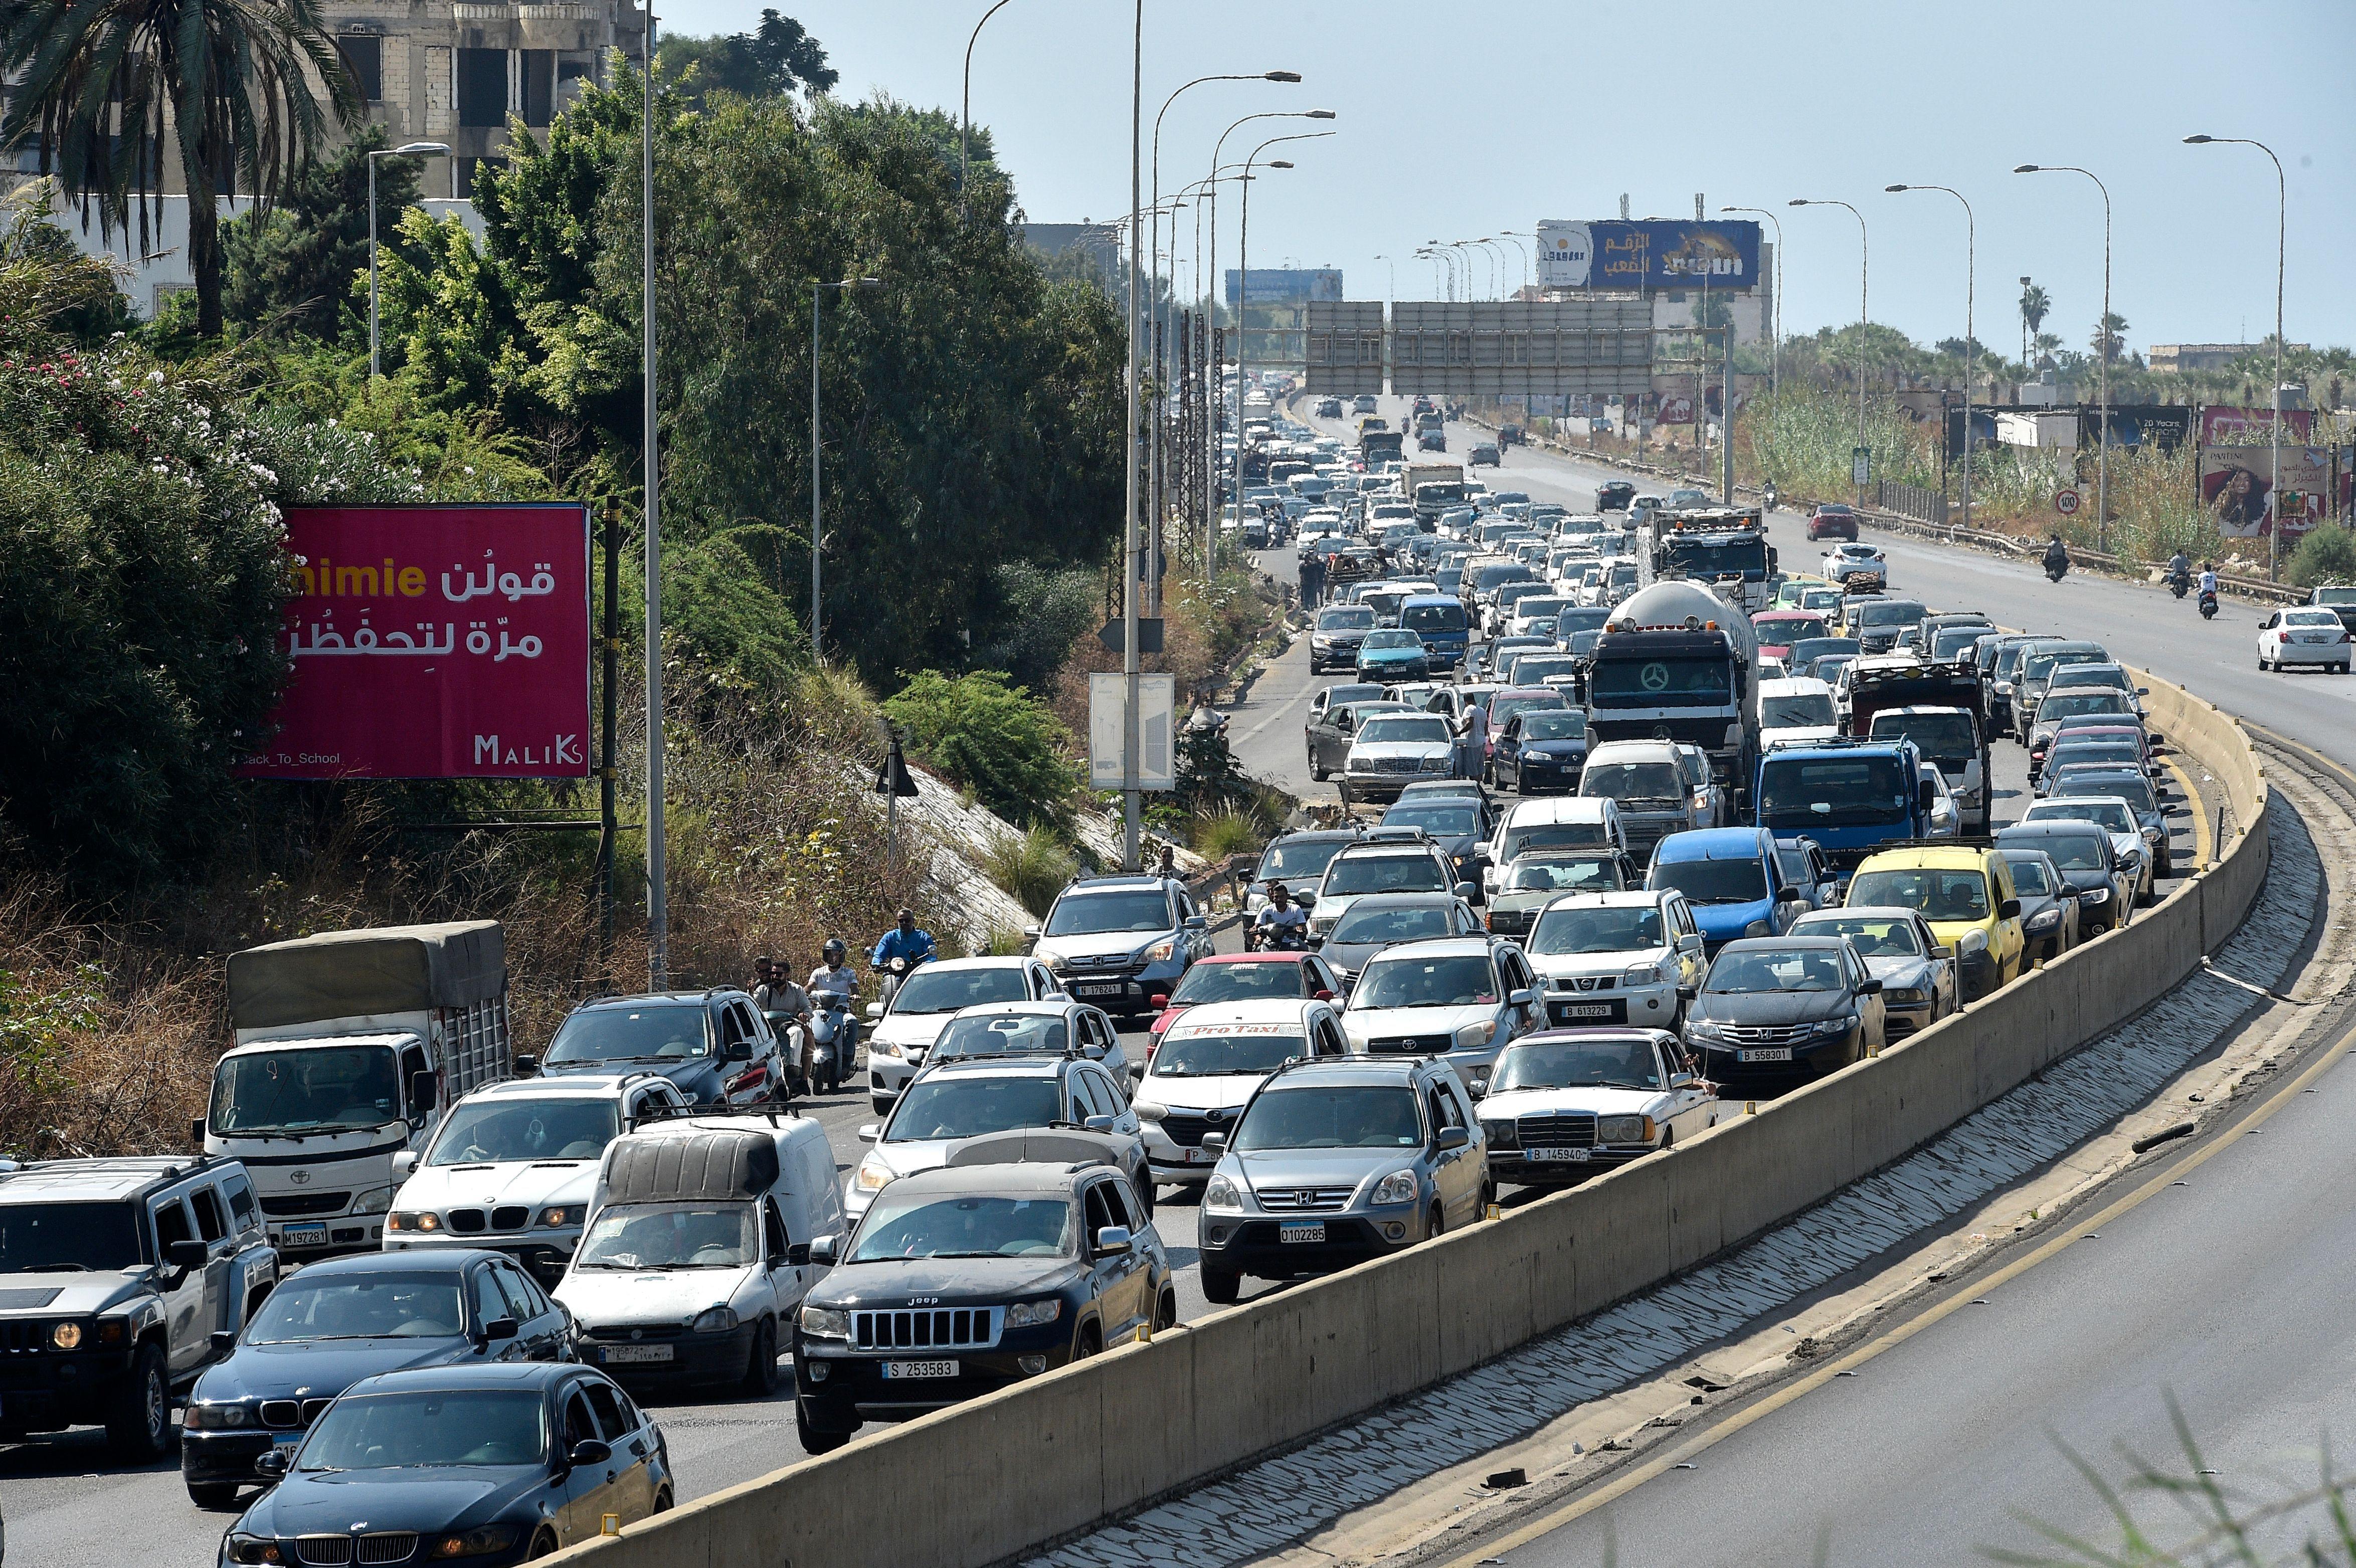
(66,1336)
(1641,975)
(214,1417)
(253,1549)
(1031,1314)
(421,1220)
(1840,1024)
(826,1323)
(1759,928)
(476,1542)
(1704,1026)
(1222,1193)
(1161,950)
(375,1202)
(713,1320)
(1906,996)
(872,1175)
(2096,896)
(1476,1034)
(1500,1133)
(2046,921)
(560,1216)
(1399,1187)
(1624,1130)
(1434,764)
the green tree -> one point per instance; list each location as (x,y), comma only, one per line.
(990,738)
(2036,304)
(2325,555)
(119,92)
(2109,339)
(776,57)
(294,264)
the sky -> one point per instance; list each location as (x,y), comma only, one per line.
(1459,124)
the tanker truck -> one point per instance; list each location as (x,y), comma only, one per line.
(1675,662)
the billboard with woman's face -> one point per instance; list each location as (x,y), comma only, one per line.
(2237,488)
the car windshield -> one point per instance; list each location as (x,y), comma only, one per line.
(1953,640)
(2117,753)
(1776,969)
(1890,613)
(1520,841)
(2111,816)
(2041,662)
(429,1429)
(1940,893)
(68,1238)
(2133,787)
(1684,681)
(2028,874)
(2074,851)
(1433,618)
(316,1089)
(1588,929)
(1541,604)
(1002,1034)
(1713,881)
(1797,709)
(1873,935)
(1351,618)
(1943,735)
(1392,639)
(1786,630)
(1383,923)
(935,989)
(963,1225)
(1356,1115)
(2070,704)
(1405,729)
(1585,874)
(1634,783)
(1801,791)
(1554,724)
(482,1132)
(1578,1064)
(1353,874)
(1459,980)
(658,1031)
(962,1107)
(1227,1051)
(1240,982)
(672,1236)
(1294,859)
(406,1305)
(1088,914)
(1441,820)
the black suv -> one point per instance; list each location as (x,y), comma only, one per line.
(1614,495)
(714,1046)
(962,1280)
(120,1281)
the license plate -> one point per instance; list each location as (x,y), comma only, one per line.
(899,1372)
(1563,1155)
(1194,1155)
(1113,990)
(304,1235)
(288,1446)
(615,1355)
(1314,1231)
(1765,1054)
(1583,1009)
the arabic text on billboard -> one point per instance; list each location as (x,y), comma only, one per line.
(435,642)
(1272,285)
(2237,489)
(1652,254)
(2219,426)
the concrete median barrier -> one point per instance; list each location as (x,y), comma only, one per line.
(977,1484)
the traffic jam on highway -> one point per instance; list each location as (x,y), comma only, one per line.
(1635,824)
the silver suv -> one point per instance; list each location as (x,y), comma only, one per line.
(120,1281)
(1334,1163)
(1115,943)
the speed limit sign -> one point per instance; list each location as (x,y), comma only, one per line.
(2065,502)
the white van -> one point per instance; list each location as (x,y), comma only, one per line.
(1555,822)
(697,1252)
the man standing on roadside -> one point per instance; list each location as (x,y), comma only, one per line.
(1312,579)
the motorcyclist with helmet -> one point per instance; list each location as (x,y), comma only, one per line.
(834,984)
(2057,558)
(1281,923)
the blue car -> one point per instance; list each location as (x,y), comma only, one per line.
(1393,656)
(487,1464)
(1541,749)
(347,1318)
(1734,880)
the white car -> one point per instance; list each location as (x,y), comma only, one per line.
(1565,1105)
(2303,636)
(1861,560)
(1945,821)
(1392,750)
(1632,957)
(899,1033)
(514,1165)
(1794,709)
(1462,998)
(1209,1062)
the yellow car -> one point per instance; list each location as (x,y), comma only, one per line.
(1967,893)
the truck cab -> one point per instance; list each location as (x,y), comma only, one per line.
(1943,709)
(1851,797)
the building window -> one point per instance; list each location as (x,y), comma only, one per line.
(483,87)
(364,57)
(539,85)
(470,169)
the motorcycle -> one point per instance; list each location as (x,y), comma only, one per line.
(2056,569)
(790,1032)
(1768,496)
(2181,584)
(2208,604)
(833,1043)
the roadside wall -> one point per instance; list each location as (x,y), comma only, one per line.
(972,1485)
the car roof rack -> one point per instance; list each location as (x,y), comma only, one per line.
(1961,841)
(682,1113)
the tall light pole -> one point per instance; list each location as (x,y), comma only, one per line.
(1971,279)
(2274,403)
(1775,294)
(1514,237)
(1130,561)
(2103,356)
(650,515)
(818,536)
(1432,256)
(412,150)
(1863,314)
(965,104)
(1204,193)
(1504,266)
(1243,271)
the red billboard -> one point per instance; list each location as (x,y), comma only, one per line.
(435,642)
(2219,425)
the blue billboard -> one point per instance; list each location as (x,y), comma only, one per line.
(1289,286)
(1654,253)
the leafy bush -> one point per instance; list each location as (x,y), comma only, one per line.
(1227,832)
(990,738)
(2326,555)
(1033,865)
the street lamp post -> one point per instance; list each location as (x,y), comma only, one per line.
(965,104)
(1863,314)
(412,150)
(2274,402)
(651,519)
(2103,356)
(1775,292)
(818,537)
(1129,559)
(1971,243)
(1514,237)
(1243,270)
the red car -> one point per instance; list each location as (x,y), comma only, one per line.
(1832,521)
(1778,629)
(1243,977)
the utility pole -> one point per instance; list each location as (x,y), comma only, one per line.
(657,903)
(1131,562)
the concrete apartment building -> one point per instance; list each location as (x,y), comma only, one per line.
(2177,356)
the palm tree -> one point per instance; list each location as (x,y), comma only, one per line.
(2034,306)
(119,92)
(2110,336)
(2046,344)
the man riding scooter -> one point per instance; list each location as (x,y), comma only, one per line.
(1283,925)
(2057,558)
(788,1008)
(833,988)
(901,950)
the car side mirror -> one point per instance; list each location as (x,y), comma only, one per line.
(500,1329)
(1160,999)
(2009,910)
(1214,1142)
(1468,891)
(1114,1242)
(1481,853)
(1689,942)
(272,1462)
(422,1087)
(737,1050)
(224,1340)
(1306,900)
(1942,953)
(797,1254)
(1521,999)
(1093,1052)
(588,1451)
(1869,988)
(527,1066)
(1196,922)
(1453,1138)
(1688,993)
(187,1255)
(874,1011)
(1031,934)
(1971,943)
(196,1131)
(404,1162)
(1322,995)
(1793,895)
(825,1251)
(870,1132)
(1925,794)
(1098,1124)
